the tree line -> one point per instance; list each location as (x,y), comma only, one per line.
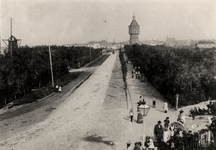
(29,67)
(188,72)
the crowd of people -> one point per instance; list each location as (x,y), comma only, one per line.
(168,136)
(136,73)
(211,110)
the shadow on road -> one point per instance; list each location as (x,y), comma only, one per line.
(128,119)
(99,139)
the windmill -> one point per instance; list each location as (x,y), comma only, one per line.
(11,42)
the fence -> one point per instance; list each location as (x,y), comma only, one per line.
(204,140)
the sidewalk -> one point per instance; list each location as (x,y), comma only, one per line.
(144,89)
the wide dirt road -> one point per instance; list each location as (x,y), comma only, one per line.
(90,118)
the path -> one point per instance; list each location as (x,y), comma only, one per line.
(145,89)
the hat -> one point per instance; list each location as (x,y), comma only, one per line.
(181,111)
(159,121)
(148,137)
(129,142)
(167,117)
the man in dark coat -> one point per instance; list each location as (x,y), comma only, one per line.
(158,131)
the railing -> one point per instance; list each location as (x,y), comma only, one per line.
(204,140)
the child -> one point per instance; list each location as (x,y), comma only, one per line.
(149,144)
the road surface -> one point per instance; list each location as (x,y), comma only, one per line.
(82,121)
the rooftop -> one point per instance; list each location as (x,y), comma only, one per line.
(206,42)
(134,22)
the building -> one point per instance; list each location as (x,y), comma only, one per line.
(134,30)
(152,42)
(12,42)
(97,44)
(170,42)
(206,44)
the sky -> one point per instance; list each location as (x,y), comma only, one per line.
(39,22)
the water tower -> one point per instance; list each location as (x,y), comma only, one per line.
(11,42)
(134,30)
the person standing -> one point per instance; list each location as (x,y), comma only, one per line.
(166,123)
(136,74)
(139,103)
(165,107)
(59,89)
(131,114)
(140,98)
(143,101)
(158,131)
(129,146)
(132,73)
(181,117)
(166,135)
(172,130)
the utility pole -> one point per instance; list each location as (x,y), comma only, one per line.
(51,67)
(11,48)
(90,53)
(106,43)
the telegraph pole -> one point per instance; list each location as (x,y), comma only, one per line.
(90,53)
(11,45)
(51,67)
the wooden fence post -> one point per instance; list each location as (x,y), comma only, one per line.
(177,98)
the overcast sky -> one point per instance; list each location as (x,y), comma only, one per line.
(38,22)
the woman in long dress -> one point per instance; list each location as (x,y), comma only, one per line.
(181,117)
(165,107)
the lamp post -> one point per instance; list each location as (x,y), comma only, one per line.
(143,109)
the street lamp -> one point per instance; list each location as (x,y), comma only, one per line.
(143,109)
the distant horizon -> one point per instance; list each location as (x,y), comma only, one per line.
(79,21)
(4,46)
